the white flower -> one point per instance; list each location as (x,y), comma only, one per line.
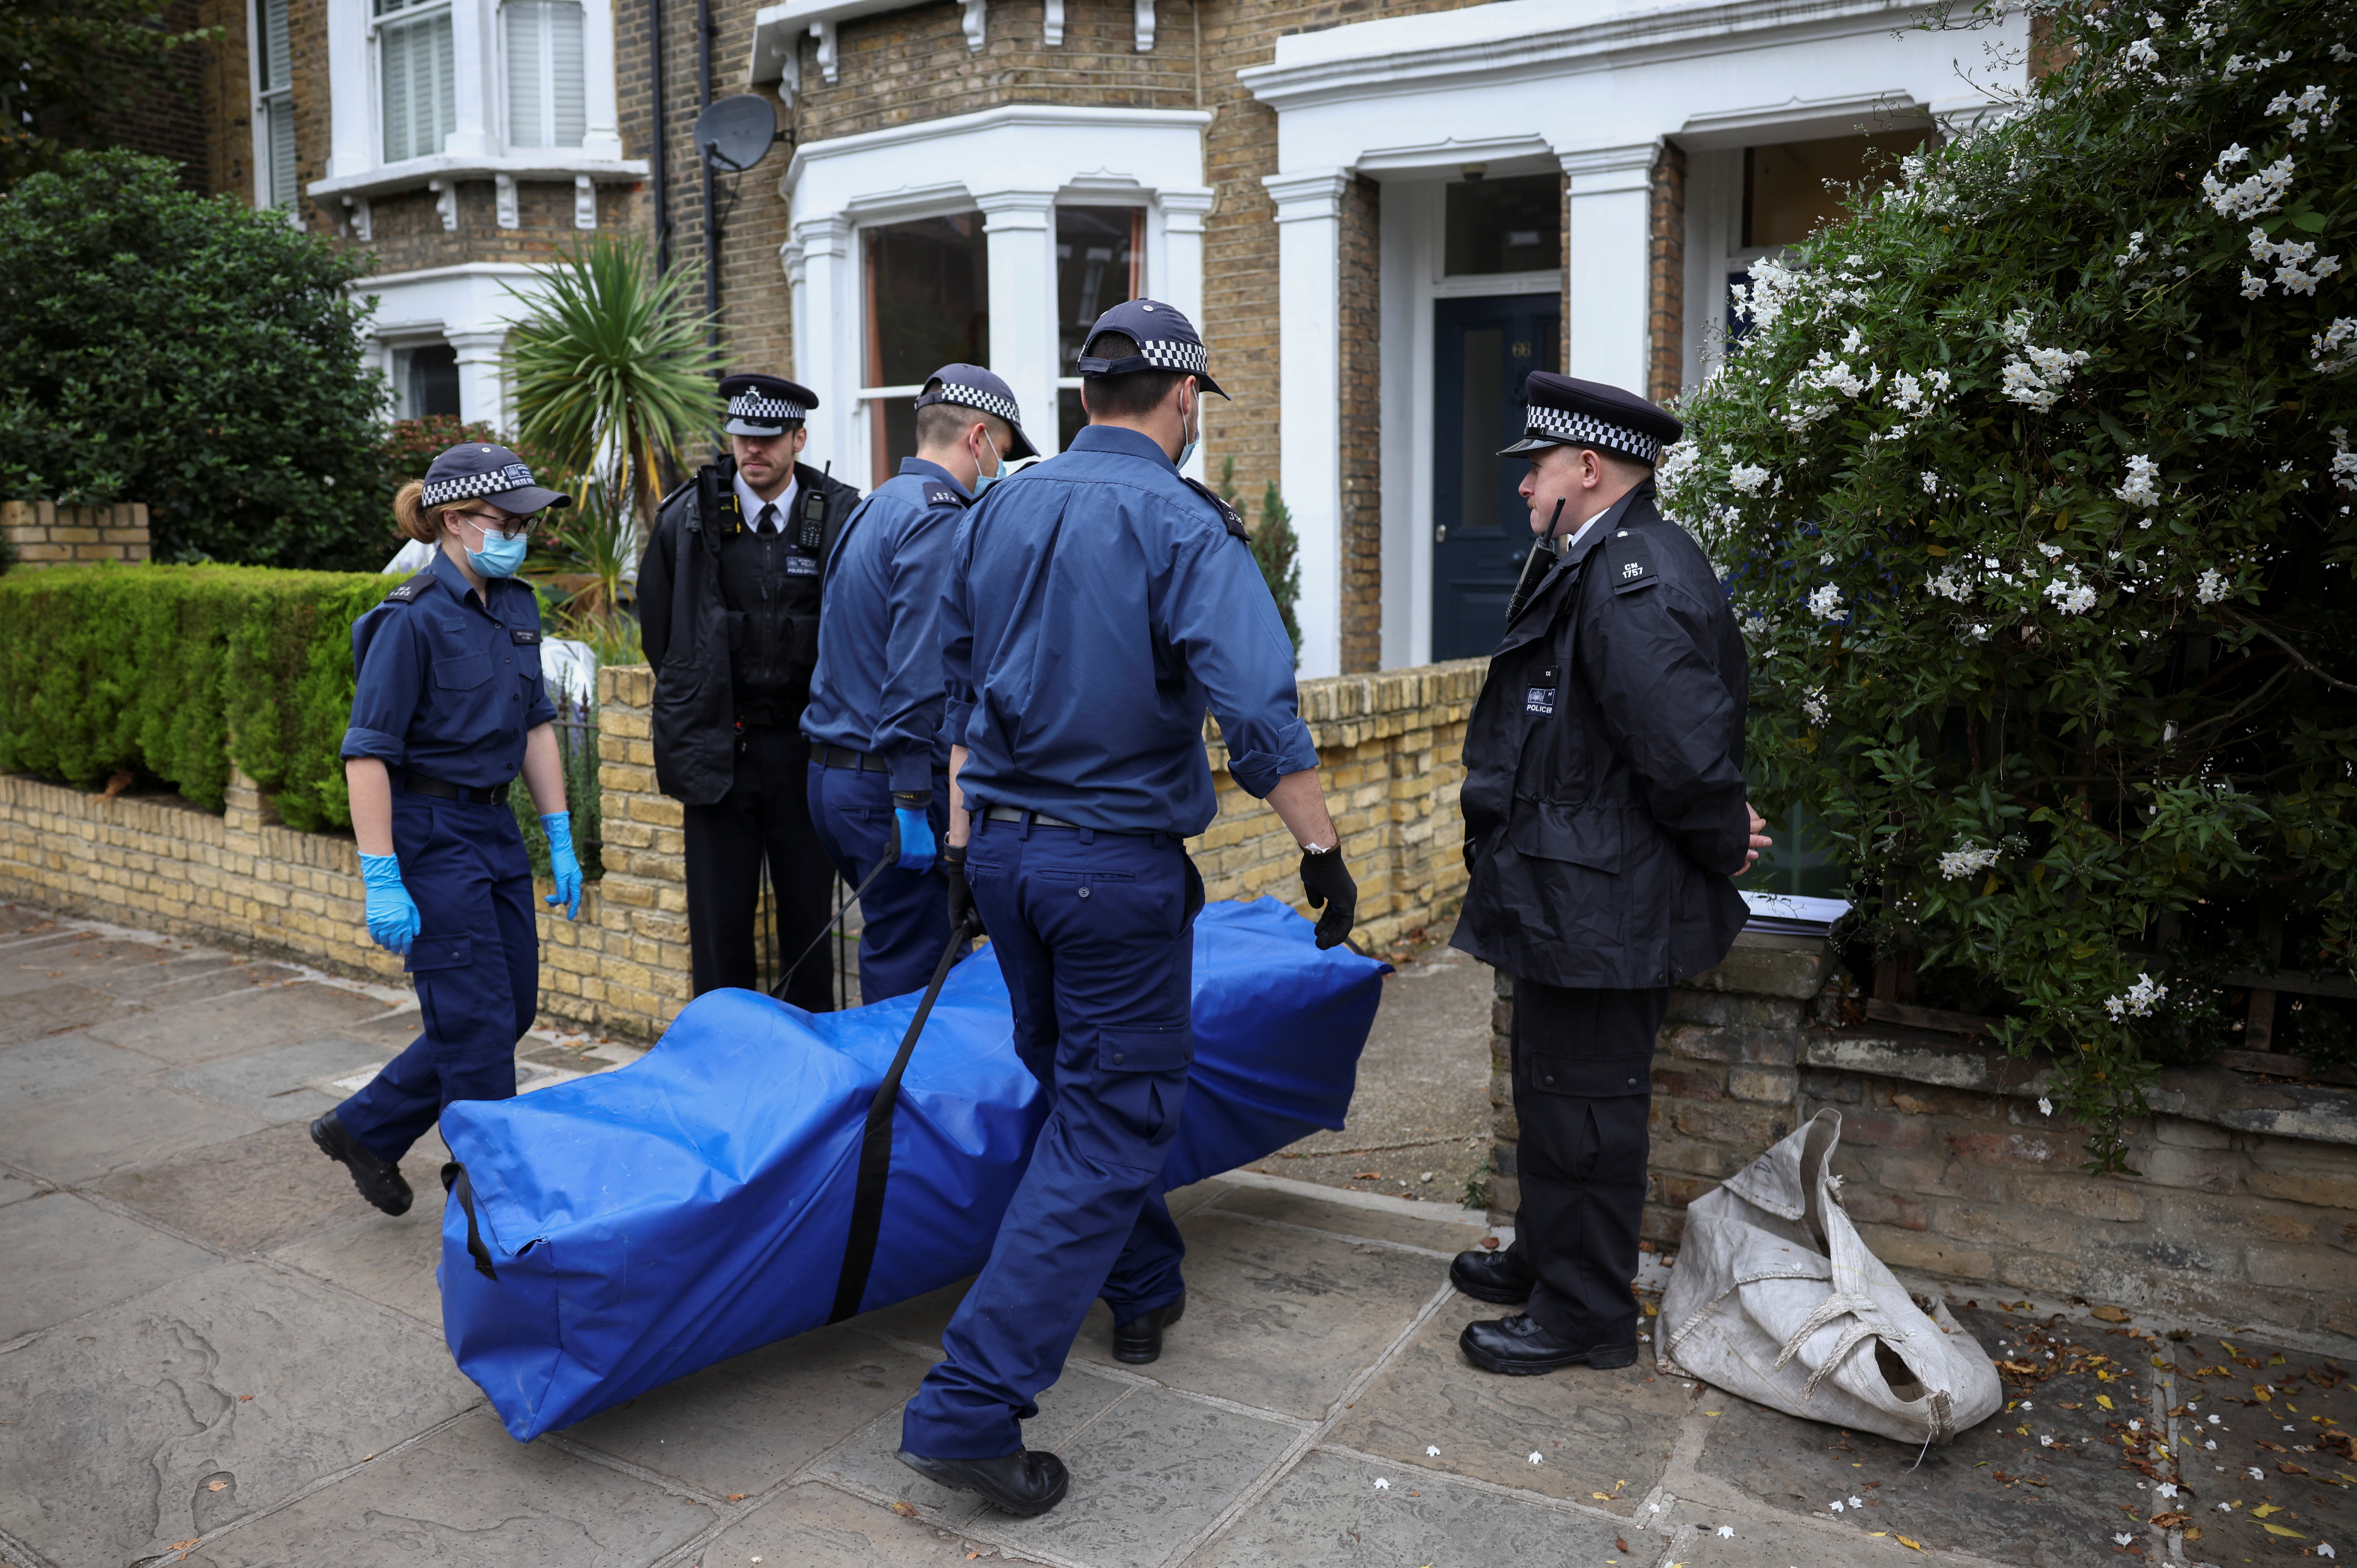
(2137,1001)
(2229,1508)
(1727,1533)
(1963,862)
(2254,286)
(1857,1502)
(2139,490)
(1536,1459)
(2344,461)
(2134,252)
(1835,1505)
(2335,348)
(2256,1473)
(1748,478)
(2210,587)
(2045,1106)
(2167,1489)
(2210,1443)
(2038,380)
(1825,602)
(1813,704)
(2122,1538)
(1976,633)
(1931,482)
(2070,596)
(2263,192)
(2045,1442)
(2134,1424)
(1382,1484)
(2214,1421)
(2235,153)
(2324,1549)
(2141,56)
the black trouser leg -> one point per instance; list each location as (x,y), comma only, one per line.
(765,814)
(1583,1086)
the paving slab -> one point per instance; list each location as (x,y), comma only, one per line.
(1446,1234)
(468,1495)
(279,1084)
(1328,1510)
(43,957)
(249,1194)
(1603,1437)
(1277,1319)
(2292,1416)
(388,1258)
(1759,1540)
(747,1425)
(62,1065)
(815,1525)
(241,1371)
(54,1008)
(242,1020)
(918,1320)
(112,1124)
(67,1256)
(174,978)
(16,1189)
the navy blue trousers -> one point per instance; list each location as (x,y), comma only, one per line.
(476,963)
(1094,932)
(905,917)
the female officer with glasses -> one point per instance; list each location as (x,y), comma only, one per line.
(449,708)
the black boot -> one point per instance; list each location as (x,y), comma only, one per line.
(1497,1276)
(1139,1340)
(380,1181)
(1519,1348)
(1023,1483)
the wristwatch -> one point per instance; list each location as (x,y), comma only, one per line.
(1317,849)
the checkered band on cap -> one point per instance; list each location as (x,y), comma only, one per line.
(1175,354)
(1586,430)
(981,398)
(466,487)
(762,409)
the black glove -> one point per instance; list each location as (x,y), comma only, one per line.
(964,916)
(1329,888)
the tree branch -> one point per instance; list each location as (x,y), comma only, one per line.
(2297,655)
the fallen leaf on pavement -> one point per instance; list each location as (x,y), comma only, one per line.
(1620,1542)
(245,1399)
(216,1486)
(2172,1519)
(905,1508)
(735,1497)
(2280,1529)
(182,1545)
(1905,1541)
(2110,1314)
(1368,1175)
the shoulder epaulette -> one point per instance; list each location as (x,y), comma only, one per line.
(676,491)
(1630,555)
(939,492)
(407,591)
(1232,518)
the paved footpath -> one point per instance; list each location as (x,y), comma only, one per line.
(212,1352)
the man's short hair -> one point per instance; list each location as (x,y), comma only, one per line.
(941,422)
(1129,396)
(1622,466)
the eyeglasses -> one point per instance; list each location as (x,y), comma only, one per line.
(507,527)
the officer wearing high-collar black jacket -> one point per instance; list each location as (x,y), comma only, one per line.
(728,605)
(1605,821)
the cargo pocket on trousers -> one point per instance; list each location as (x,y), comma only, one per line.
(429,956)
(1144,1079)
(1590,1078)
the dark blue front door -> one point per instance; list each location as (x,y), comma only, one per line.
(1481,536)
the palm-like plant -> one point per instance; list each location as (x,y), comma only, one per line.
(612,370)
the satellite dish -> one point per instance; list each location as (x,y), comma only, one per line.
(736,133)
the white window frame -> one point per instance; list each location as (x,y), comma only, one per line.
(418,11)
(504,99)
(264,101)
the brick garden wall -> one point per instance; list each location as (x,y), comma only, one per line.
(42,534)
(2241,1204)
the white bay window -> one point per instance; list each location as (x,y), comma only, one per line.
(547,102)
(417,77)
(274,106)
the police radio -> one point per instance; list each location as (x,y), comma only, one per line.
(812,530)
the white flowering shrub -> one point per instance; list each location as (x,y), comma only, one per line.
(2032,482)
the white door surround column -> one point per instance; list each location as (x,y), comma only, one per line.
(826,342)
(1180,280)
(1609,264)
(482,386)
(1310,371)
(1019,228)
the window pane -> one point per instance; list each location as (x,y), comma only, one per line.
(432,381)
(547,103)
(928,299)
(278,126)
(277,49)
(1096,263)
(1513,225)
(420,98)
(1485,412)
(1784,194)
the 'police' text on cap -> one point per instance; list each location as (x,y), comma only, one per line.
(473,471)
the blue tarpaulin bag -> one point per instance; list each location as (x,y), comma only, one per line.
(606,1236)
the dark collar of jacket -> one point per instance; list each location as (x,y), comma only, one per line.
(1120,440)
(445,570)
(1555,590)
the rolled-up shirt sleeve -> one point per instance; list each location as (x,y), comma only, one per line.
(956,634)
(1219,618)
(385,699)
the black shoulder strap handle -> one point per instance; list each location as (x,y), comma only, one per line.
(875,1146)
(454,1182)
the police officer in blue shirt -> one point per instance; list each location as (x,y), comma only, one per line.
(449,708)
(1098,604)
(880,765)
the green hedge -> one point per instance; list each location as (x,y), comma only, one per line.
(180,671)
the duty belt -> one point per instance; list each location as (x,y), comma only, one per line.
(843,756)
(418,784)
(1016,814)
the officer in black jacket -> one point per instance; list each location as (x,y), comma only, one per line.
(729,603)
(1605,819)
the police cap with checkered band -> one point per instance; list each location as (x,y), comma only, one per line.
(1166,340)
(971,386)
(765,405)
(1565,411)
(474,472)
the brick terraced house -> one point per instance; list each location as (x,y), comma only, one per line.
(1380,212)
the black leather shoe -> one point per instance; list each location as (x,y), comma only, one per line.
(1519,1348)
(380,1182)
(1496,1276)
(1023,1483)
(1139,1340)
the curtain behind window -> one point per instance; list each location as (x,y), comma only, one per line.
(547,98)
(276,63)
(420,96)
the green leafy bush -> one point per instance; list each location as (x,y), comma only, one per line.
(191,353)
(1275,548)
(180,671)
(2033,480)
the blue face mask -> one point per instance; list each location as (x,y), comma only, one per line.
(500,555)
(983,481)
(1187,448)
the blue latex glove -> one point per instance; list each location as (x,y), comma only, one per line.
(392,912)
(558,826)
(912,839)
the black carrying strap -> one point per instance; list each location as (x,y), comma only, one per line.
(876,1147)
(454,1182)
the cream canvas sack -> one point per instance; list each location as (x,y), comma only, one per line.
(1774,1297)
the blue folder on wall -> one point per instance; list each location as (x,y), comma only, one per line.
(608,1235)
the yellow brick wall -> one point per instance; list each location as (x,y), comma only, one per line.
(42,534)
(1389,753)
